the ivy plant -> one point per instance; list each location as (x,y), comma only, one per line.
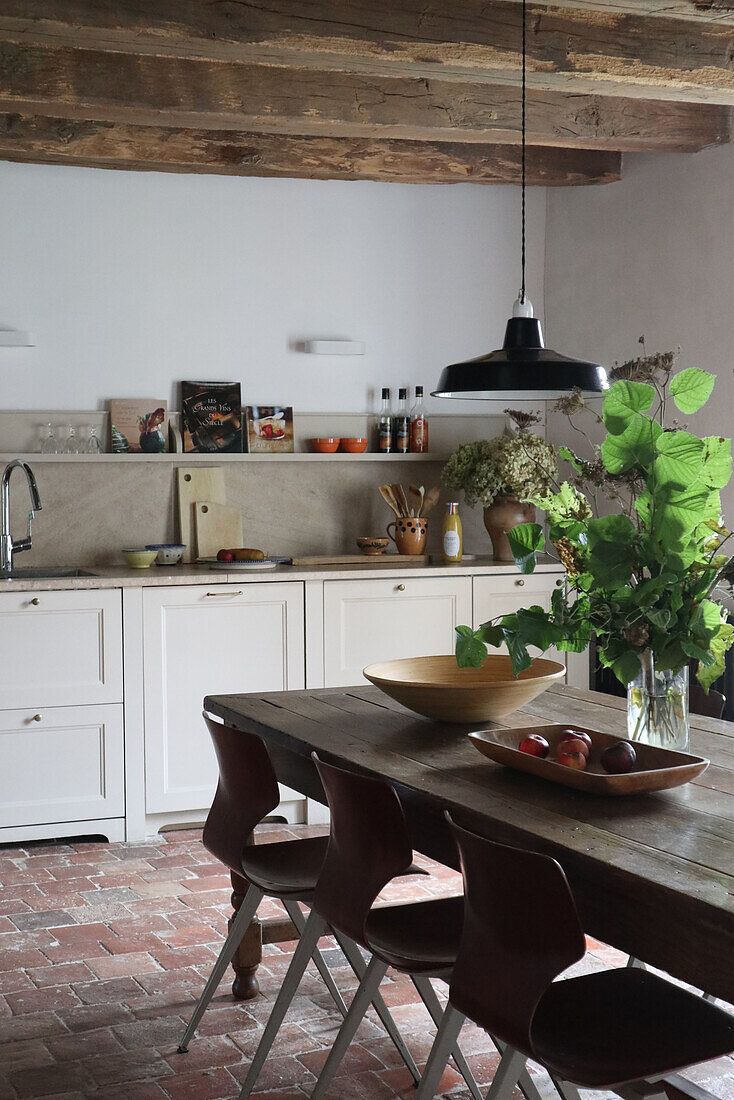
(642,578)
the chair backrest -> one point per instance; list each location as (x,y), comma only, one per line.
(247,792)
(521,929)
(711,705)
(368,846)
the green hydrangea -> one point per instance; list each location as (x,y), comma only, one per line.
(519,464)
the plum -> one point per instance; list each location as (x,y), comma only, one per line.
(618,759)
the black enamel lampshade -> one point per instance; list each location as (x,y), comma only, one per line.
(523,369)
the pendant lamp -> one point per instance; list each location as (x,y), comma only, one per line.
(522,368)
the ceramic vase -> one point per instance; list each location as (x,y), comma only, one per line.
(502,515)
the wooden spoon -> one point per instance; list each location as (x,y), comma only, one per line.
(431,499)
(415,496)
(402,500)
(387,495)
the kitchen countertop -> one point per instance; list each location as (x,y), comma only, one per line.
(158,576)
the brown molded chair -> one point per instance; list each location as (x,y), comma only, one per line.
(246,793)
(600,1031)
(369,846)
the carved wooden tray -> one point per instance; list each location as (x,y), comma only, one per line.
(655,769)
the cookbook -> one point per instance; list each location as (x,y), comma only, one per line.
(269,429)
(211,417)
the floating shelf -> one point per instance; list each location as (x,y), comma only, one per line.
(196,459)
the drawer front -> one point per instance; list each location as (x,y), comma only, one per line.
(503,594)
(383,620)
(65,764)
(60,648)
(210,640)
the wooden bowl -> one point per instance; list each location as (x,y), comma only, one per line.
(437,688)
(326,445)
(656,769)
(356,445)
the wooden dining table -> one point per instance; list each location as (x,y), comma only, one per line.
(653,874)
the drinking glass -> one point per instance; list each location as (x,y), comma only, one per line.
(93,445)
(71,445)
(49,444)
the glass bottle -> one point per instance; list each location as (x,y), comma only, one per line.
(71,444)
(402,423)
(453,538)
(93,446)
(418,424)
(385,424)
(49,446)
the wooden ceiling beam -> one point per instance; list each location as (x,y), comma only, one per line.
(108,145)
(118,87)
(681,50)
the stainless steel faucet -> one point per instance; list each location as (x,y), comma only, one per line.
(9,546)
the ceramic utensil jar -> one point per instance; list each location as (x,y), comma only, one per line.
(410,535)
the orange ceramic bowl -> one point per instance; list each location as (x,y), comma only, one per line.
(325,446)
(354,446)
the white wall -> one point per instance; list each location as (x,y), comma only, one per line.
(652,255)
(132,281)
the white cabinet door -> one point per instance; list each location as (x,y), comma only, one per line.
(384,619)
(209,640)
(63,764)
(501,594)
(60,649)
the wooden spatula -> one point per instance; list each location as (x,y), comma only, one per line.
(431,499)
(415,499)
(399,494)
(387,495)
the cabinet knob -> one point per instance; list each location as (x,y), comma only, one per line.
(35,601)
(399,587)
(559,582)
(37,717)
(520,583)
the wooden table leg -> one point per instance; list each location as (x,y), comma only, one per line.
(250,952)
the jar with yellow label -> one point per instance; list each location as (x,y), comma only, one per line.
(452,533)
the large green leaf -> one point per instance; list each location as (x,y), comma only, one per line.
(691,389)
(526,539)
(613,528)
(626,667)
(611,563)
(679,459)
(677,513)
(534,627)
(719,644)
(471,651)
(716,461)
(632,447)
(517,649)
(623,401)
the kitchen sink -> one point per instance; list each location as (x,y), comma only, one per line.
(43,574)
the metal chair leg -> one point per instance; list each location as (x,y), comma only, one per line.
(293,910)
(432,1003)
(359,966)
(315,928)
(443,1047)
(507,1075)
(524,1082)
(244,915)
(374,974)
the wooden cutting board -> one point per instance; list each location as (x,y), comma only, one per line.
(217,527)
(363,559)
(196,483)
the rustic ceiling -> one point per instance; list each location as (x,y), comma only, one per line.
(403,90)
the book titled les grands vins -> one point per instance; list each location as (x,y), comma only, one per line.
(211,414)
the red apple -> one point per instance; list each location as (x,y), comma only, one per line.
(618,759)
(534,745)
(572,744)
(569,732)
(572,760)
(225,555)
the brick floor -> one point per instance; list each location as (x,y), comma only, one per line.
(104,949)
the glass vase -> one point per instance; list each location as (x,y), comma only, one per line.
(657,706)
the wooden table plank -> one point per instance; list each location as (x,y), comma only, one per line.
(642,868)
